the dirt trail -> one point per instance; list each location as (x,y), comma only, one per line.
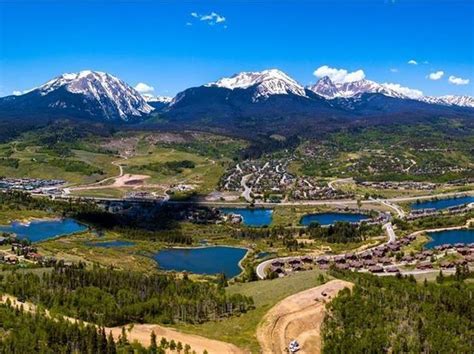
(298,317)
(142,333)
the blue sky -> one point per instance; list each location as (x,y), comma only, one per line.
(172,45)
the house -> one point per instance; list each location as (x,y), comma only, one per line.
(366,255)
(322,260)
(277,263)
(424,265)
(294,262)
(339,259)
(376,269)
(369,262)
(3,240)
(392,270)
(342,266)
(307,259)
(10,259)
(355,264)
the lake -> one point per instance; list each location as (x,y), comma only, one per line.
(326,219)
(203,260)
(40,230)
(450,237)
(111,244)
(442,203)
(252,217)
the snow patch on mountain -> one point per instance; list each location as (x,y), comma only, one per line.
(266,83)
(450,100)
(161,99)
(326,88)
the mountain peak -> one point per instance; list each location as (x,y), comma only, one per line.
(267,82)
(111,97)
(326,88)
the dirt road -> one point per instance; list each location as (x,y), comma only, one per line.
(298,317)
(142,333)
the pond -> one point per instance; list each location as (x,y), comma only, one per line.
(111,244)
(442,203)
(252,217)
(326,219)
(41,230)
(202,260)
(450,237)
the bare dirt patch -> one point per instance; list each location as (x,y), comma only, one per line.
(298,317)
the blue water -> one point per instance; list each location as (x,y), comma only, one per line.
(326,219)
(451,237)
(111,244)
(205,260)
(252,217)
(443,203)
(40,230)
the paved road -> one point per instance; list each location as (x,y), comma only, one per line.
(397,208)
(247,189)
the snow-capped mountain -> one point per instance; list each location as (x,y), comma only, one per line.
(265,83)
(161,99)
(84,94)
(450,100)
(328,89)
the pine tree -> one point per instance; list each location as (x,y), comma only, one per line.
(153,345)
(111,349)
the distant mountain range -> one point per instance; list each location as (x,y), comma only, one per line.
(269,95)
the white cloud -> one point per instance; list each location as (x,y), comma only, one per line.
(394,70)
(412,62)
(17,93)
(339,75)
(144,88)
(409,92)
(436,75)
(458,80)
(211,18)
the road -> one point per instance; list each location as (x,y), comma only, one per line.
(339,180)
(247,190)
(400,212)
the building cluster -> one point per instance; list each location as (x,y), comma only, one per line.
(21,252)
(457,209)
(30,184)
(386,258)
(405,185)
(308,189)
(261,176)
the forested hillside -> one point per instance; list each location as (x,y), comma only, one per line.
(387,314)
(110,297)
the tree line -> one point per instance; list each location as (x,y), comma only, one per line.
(109,297)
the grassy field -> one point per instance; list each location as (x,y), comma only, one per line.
(75,248)
(205,175)
(34,162)
(7,216)
(241,330)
